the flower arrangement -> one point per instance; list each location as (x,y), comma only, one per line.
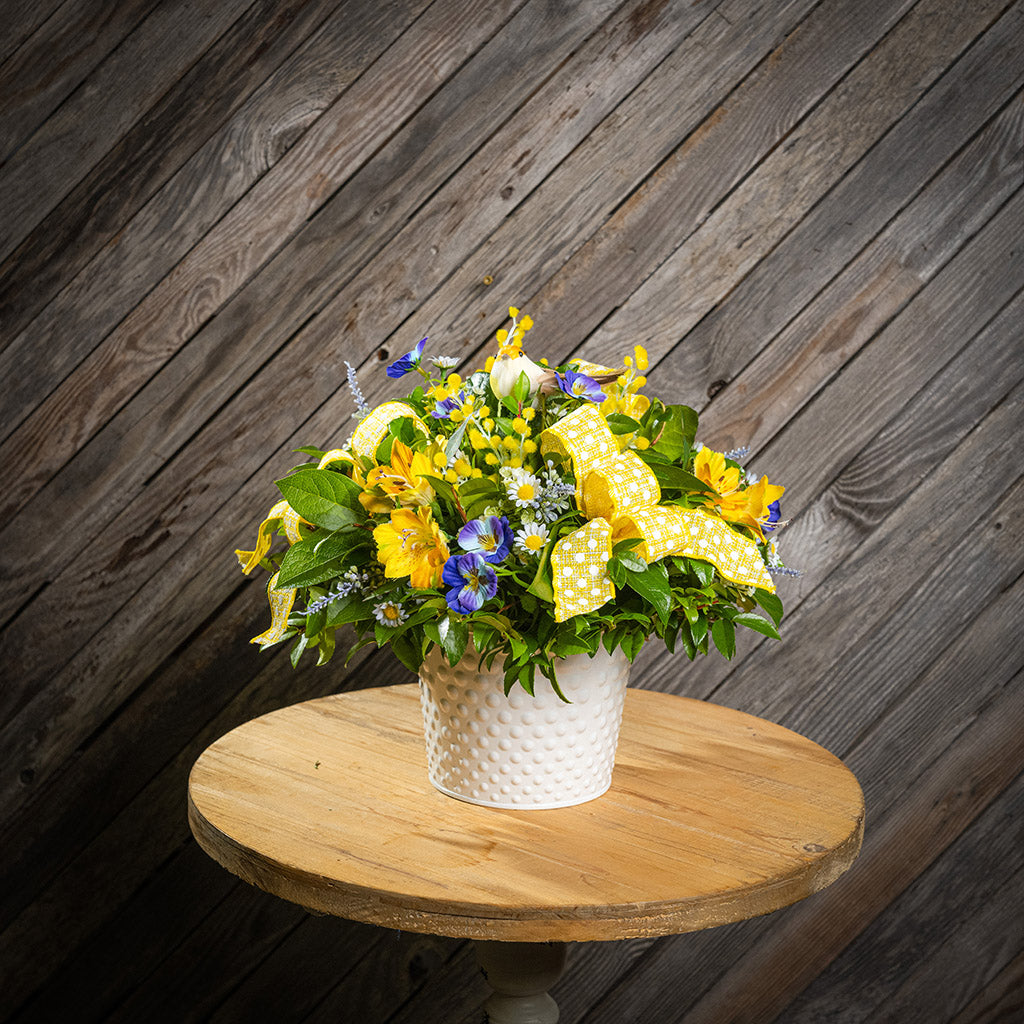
(530,511)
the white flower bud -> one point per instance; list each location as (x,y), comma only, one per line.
(505,372)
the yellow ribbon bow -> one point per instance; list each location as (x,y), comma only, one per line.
(620,496)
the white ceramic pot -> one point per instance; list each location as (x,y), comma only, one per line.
(520,751)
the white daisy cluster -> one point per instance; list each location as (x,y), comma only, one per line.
(389,613)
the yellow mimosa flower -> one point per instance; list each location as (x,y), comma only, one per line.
(411,545)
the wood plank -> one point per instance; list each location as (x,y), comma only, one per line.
(981,934)
(249,448)
(828,529)
(772,200)
(579,293)
(21,21)
(180,895)
(1001,1000)
(77,135)
(267,310)
(794,293)
(33,85)
(343,138)
(118,242)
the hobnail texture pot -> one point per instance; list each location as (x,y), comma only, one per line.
(520,751)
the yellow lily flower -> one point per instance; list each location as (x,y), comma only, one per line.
(747,506)
(402,481)
(709,467)
(411,545)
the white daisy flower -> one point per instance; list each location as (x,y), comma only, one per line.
(523,488)
(530,540)
(445,362)
(389,613)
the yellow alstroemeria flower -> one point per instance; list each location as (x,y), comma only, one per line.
(411,545)
(747,506)
(710,468)
(401,481)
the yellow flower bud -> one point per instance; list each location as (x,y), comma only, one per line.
(529,447)
(513,312)
(515,462)
(476,473)
(519,425)
(641,357)
(641,442)
(462,467)
(488,363)
(477,440)
(528,413)
(456,416)
(488,424)
(526,323)
(451,476)
(454,382)
(439,459)
(511,444)
(491,459)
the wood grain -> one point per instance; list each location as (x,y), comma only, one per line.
(712,816)
(814,208)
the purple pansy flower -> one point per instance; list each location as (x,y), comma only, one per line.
(774,514)
(472,582)
(579,385)
(443,410)
(401,366)
(489,536)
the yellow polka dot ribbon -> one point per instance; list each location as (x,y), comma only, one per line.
(281,602)
(620,496)
(372,428)
(281,514)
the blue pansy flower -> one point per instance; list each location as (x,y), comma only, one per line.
(404,364)
(579,385)
(489,536)
(443,410)
(472,582)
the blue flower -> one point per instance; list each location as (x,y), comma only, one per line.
(472,582)
(443,410)
(774,514)
(579,385)
(404,364)
(489,536)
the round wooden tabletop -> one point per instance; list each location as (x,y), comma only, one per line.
(713,816)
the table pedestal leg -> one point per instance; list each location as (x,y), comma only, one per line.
(521,974)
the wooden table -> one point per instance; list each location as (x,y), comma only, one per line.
(713,816)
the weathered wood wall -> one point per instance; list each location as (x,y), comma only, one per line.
(809,211)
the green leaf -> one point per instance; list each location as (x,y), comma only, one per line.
(521,389)
(632,561)
(704,571)
(653,586)
(757,623)
(455,440)
(324,497)
(724,635)
(770,603)
(302,566)
(325,649)
(621,424)
(455,639)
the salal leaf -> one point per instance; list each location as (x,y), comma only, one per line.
(653,586)
(724,635)
(757,623)
(323,497)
